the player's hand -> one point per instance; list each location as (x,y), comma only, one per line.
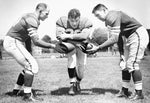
(93,50)
(122,63)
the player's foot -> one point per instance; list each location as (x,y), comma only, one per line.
(17,92)
(123,93)
(30,98)
(72,90)
(138,95)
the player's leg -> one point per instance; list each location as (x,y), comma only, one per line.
(81,65)
(136,73)
(16,49)
(31,68)
(126,76)
(10,47)
(71,71)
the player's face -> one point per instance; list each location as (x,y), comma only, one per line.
(74,22)
(100,14)
(44,14)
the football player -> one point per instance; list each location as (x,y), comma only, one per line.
(135,41)
(24,28)
(74,29)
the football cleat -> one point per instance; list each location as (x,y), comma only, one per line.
(28,97)
(137,96)
(123,93)
(78,88)
(16,92)
(72,90)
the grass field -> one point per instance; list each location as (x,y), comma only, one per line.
(101,82)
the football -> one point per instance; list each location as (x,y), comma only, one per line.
(99,35)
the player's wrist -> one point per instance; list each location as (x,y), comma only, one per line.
(52,46)
(99,47)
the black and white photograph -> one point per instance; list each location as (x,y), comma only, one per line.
(75,51)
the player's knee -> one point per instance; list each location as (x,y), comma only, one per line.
(71,63)
(35,68)
(81,66)
(32,67)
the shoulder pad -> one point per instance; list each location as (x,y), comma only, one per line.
(85,23)
(112,17)
(31,21)
(62,22)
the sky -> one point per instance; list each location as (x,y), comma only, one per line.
(11,10)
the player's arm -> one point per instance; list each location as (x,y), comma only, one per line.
(86,30)
(60,29)
(32,27)
(114,32)
(120,45)
(83,35)
(113,24)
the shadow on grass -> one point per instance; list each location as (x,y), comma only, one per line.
(36,92)
(92,91)
(60,91)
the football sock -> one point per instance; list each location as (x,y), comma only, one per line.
(125,84)
(28,79)
(125,90)
(17,87)
(126,76)
(20,80)
(27,89)
(71,72)
(137,78)
(78,79)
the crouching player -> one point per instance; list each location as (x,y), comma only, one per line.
(136,40)
(74,30)
(14,41)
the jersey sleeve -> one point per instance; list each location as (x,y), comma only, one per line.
(32,26)
(113,22)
